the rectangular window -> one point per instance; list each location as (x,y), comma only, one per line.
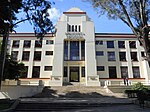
(100,68)
(121,44)
(99,53)
(134,56)
(16,43)
(110,44)
(124,72)
(36,72)
(82,50)
(83,72)
(37,55)
(14,55)
(112,72)
(136,72)
(66,50)
(111,56)
(49,53)
(69,28)
(132,44)
(48,68)
(25,56)
(65,71)
(122,56)
(38,43)
(27,44)
(79,28)
(75,28)
(99,42)
(74,50)
(143,54)
(24,73)
(49,42)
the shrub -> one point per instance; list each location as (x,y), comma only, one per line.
(139,86)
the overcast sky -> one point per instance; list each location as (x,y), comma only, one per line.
(102,24)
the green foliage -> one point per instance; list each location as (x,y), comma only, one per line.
(13,69)
(139,86)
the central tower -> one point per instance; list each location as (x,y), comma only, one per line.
(74,50)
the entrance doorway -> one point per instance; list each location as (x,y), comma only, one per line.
(74,74)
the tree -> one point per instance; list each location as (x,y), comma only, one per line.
(134,13)
(35,11)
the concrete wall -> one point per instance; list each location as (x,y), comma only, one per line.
(14,92)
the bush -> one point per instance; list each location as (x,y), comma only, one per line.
(139,86)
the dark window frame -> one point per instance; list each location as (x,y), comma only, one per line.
(48,68)
(100,68)
(16,43)
(25,57)
(37,55)
(110,44)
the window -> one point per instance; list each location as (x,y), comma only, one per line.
(65,71)
(66,50)
(75,28)
(136,72)
(25,56)
(83,72)
(49,53)
(36,72)
(124,72)
(132,44)
(112,72)
(49,42)
(121,44)
(82,50)
(100,68)
(149,63)
(69,28)
(110,44)
(122,56)
(24,73)
(134,56)
(16,43)
(38,43)
(143,54)
(111,56)
(48,68)
(37,55)
(14,55)
(72,28)
(27,44)
(74,50)
(79,28)
(99,53)
(99,42)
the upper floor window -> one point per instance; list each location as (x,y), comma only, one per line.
(111,56)
(136,72)
(134,56)
(99,53)
(27,44)
(132,44)
(79,28)
(110,44)
(72,28)
(37,55)
(49,42)
(121,44)
(48,68)
(100,68)
(16,43)
(14,55)
(25,56)
(122,56)
(99,42)
(38,43)
(49,53)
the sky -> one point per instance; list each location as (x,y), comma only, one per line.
(102,23)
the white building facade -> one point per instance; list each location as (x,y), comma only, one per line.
(77,54)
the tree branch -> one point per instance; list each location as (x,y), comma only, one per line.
(20,22)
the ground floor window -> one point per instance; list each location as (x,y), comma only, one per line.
(65,71)
(136,72)
(124,72)
(24,73)
(112,72)
(36,72)
(83,71)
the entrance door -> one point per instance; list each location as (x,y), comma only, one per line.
(74,74)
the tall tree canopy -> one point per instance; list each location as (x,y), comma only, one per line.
(134,13)
(35,11)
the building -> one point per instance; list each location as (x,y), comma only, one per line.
(77,54)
